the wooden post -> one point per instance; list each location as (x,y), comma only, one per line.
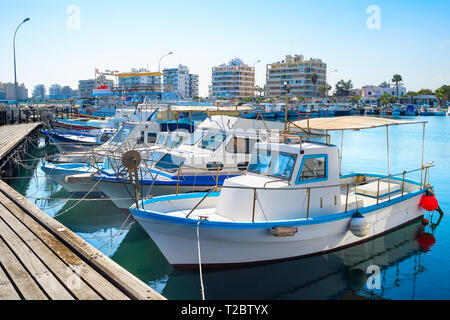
(378,191)
(178,180)
(346,198)
(254,203)
(307,208)
(217,178)
(403,183)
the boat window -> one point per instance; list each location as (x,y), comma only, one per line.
(282,165)
(106,136)
(174,141)
(161,139)
(151,137)
(121,135)
(195,137)
(141,138)
(153,157)
(313,168)
(213,140)
(240,145)
(260,161)
(169,162)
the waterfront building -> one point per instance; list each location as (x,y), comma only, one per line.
(377,91)
(86,87)
(179,80)
(9,91)
(297,72)
(233,80)
(67,92)
(39,91)
(2,94)
(193,85)
(54,91)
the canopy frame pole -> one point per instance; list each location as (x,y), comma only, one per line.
(423,152)
(340,153)
(388,168)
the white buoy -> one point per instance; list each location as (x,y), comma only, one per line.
(359,226)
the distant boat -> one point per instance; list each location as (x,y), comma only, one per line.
(72,142)
(424,111)
(411,111)
(436,111)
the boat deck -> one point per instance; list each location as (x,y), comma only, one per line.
(40,259)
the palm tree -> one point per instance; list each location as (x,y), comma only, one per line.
(397,78)
(314,79)
(440,95)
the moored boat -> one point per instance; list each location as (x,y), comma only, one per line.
(320,211)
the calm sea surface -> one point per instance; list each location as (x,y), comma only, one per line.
(407,270)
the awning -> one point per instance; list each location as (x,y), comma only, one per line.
(347,123)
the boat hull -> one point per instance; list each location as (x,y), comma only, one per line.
(254,242)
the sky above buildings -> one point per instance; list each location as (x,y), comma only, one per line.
(366,41)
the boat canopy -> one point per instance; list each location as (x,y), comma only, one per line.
(347,123)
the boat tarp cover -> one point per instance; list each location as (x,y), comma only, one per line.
(347,123)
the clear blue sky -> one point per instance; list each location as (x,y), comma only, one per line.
(414,38)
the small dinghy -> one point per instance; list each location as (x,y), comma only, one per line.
(292,202)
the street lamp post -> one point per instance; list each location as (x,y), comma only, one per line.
(159,64)
(15,73)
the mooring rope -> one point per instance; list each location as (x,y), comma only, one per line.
(95,185)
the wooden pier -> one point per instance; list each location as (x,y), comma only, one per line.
(41,259)
(13,135)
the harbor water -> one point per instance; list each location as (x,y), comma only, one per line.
(410,267)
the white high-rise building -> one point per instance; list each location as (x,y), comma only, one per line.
(179,80)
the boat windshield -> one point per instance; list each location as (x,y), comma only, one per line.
(212,140)
(121,135)
(195,137)
(174,141)
(169,162)
(275,164)
(161,139)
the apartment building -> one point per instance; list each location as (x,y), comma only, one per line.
(179,80)
(297,73)
(233,80)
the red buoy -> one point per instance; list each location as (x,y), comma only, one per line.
(429,202)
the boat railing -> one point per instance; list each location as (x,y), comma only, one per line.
(424,184)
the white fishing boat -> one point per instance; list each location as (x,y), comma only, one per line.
(292,202)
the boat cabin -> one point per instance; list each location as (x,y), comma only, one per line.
(285,172)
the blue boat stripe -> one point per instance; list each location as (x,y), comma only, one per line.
(146,214)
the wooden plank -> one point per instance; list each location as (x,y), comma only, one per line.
(7,290)
(48,282)
(67,275)
(92,277)
(12,135)
(23,281)
(121,277)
